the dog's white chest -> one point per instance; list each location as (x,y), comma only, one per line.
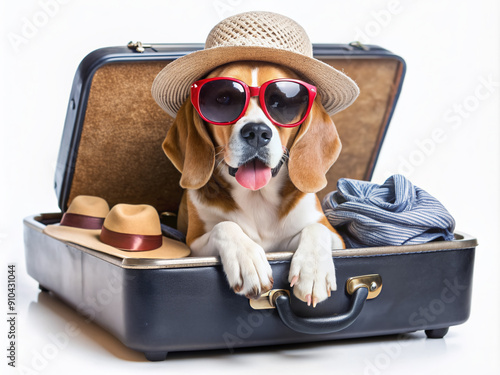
(258,216)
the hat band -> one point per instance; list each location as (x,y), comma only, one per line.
(81,221)
(132,242)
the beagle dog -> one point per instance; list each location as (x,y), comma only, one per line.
(250,185)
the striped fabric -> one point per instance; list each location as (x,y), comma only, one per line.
(172,233)
(395,213)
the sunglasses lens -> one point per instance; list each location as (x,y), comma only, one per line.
(222,101)
(286,102)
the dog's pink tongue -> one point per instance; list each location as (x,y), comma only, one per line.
(253,175)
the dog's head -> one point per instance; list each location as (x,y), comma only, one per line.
(253,149)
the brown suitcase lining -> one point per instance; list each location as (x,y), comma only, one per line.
(120,156)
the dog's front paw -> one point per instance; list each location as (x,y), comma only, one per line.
(245,264)
(247,269)
(312,274)
(312,279)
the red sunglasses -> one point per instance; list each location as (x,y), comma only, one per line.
(224,100)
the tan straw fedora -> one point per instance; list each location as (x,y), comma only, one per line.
(128,231)
(254,36)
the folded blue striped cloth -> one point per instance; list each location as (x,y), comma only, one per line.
(395,213)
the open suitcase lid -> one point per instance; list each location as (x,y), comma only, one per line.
(111,144)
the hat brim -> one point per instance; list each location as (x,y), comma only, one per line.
(170,249)
(171,86)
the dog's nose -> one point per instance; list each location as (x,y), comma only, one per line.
(256,134)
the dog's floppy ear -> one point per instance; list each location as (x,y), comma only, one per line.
(315,148)
(189,148)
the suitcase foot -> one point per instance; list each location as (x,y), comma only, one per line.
(436,333)
(42,288)
(156,356)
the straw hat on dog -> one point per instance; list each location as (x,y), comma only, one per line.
(127,231)
(254,36)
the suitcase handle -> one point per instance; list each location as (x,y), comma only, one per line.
(361,288)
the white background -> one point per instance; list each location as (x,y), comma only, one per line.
(452,51)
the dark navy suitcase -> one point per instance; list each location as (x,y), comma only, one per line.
(111,147)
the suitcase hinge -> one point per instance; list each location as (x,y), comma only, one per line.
(138,46)
(357,44)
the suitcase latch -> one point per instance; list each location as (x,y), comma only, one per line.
(266,300)
(372,282)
